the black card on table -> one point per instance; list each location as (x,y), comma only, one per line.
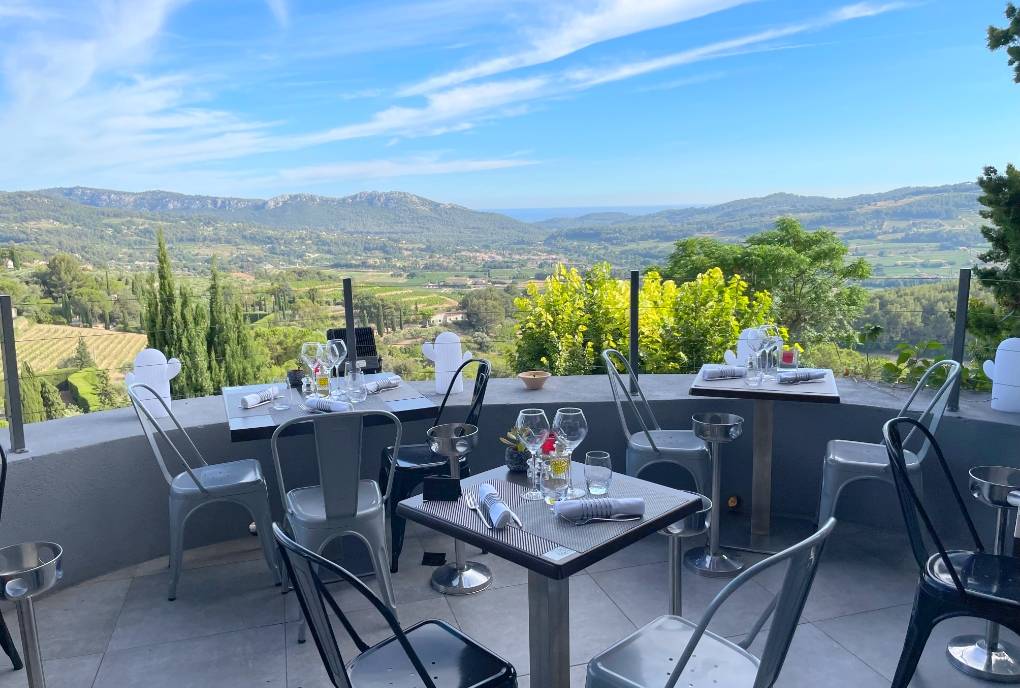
(441,488)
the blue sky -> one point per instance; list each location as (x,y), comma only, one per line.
(516,103)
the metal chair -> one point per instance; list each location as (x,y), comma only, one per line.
(416,462)
(847,461)
(652,444)
(239,482)
(6,642)
(430,653)
(953,582)
(342,503)
(648,657)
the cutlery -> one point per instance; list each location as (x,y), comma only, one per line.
(472,502)
(616,519)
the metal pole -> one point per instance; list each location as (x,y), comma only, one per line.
(676,551)
(635,293)
(30,643)
(12,384)
(352,340)
(960,332)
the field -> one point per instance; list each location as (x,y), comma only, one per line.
(45,346)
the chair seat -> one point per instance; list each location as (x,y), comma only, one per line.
(451,658)
(309,507)
(418,457)
(863,454)
(648,656)
(232,477)
(983,574)
(679,441)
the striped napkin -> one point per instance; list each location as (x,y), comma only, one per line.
(499,513)
(254,399)
(722,372)
(327,404)
(377,386)
(599,507)
(793,377)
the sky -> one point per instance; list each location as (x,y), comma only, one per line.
(503,104)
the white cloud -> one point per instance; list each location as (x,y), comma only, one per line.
(280,11)
(573,31)
(386,169)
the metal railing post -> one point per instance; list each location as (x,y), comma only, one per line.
(12,384)
(960,332)
(352,340)
(635,293)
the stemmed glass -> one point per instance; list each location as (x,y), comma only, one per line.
(311,356)
(572,426)
(335,352)
(534,429)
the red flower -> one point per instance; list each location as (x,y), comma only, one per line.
(549,446)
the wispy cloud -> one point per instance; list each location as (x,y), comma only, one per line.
(390,169)
(280,11)
(569,32)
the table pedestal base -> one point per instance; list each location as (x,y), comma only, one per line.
(451,580)
(719,565)
(969,654)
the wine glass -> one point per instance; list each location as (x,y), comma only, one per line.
(311,354)
(534,429)
(572,426)
(334,352)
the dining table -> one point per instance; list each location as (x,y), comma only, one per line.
(550,548)
(404,401)
(760,536)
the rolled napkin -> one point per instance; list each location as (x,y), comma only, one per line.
(390,382)
(255,398)
(599,507)
(499,513)
(713,371)
(327,404)
(792,377)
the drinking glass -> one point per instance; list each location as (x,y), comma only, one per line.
(355,379)
(335,353)
(311,353)
(572,426)
(754,375)
(534,429)
(281,402)
(598,472)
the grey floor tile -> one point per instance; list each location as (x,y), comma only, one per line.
(75,621)
(815,660)
(73,672)
(229,552)
(209,600)
(304,666)
(877,638)
(645,551)
(240,659)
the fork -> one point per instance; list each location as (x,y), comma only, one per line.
(616,519)
(472,503)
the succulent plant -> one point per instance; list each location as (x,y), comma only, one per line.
(513,439)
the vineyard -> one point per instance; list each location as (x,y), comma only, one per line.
(45,346)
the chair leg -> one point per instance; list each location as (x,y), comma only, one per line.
(258,505)
(7,643)
(398,524)
(926,613)
(178,516)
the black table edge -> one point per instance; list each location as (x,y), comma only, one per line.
(758,395)
(539,564)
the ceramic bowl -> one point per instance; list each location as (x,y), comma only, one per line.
(534,379)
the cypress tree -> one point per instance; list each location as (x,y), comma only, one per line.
(53,405)
(168,316)
(194,377)
(218,334)
(31,395)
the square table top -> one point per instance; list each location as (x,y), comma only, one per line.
(405,402)
(823,391)
(548,544)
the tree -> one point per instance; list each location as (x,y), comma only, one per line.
(805,272)
(31,395)
(1008,38)
(486,308)
(62,276)
(53,405)
(194,378)
(82,358)
(167,319)
(104,390)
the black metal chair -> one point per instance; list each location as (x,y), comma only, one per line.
(430,652)
(6,642)
(953,582)
(418,461)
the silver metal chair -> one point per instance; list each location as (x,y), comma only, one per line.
(201,483)
(652,444)
(342,503)
(847,461)
(651,657)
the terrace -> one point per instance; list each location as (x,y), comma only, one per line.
(90,483)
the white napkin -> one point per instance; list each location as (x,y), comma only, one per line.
(386,383)
(327,404)
(499,513)
(714,371)
(792,377)
(599,507)
(254,399)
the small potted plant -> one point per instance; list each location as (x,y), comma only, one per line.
(517,454)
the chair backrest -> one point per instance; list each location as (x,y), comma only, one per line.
(477,395)
(338,441)
(785,608)
(303,567)
(614,360)
(911,503)
(152,429)
(932,414)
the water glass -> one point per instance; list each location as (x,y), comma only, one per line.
(598,472)
(534,429)
(355,379)
(281,401)
(755,375)
(571,425)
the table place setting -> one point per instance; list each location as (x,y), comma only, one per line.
(256,399)
(579,512)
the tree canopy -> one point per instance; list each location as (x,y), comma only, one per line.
(1008,38)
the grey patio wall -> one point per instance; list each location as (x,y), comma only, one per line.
(91,484)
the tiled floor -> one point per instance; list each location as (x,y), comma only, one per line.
(230,627)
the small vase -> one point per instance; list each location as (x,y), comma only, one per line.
(517,461)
